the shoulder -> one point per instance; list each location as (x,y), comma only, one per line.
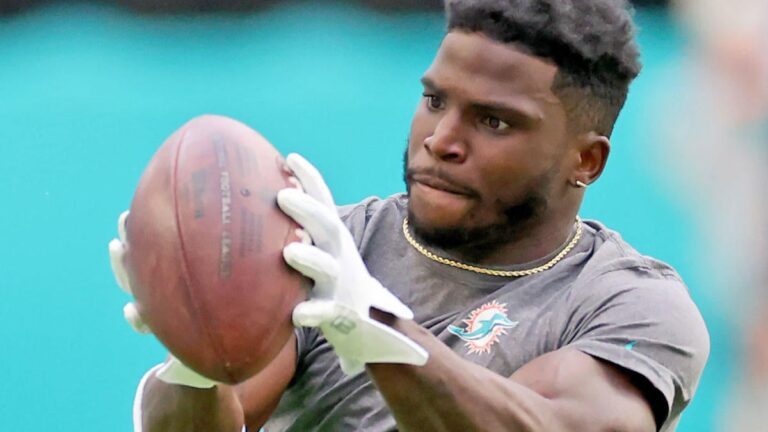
(372,205)
(636,312)
(366,216)
(611,253)
(616,276)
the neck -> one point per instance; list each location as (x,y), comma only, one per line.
(533,241)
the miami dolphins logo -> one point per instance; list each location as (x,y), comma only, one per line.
(484,326)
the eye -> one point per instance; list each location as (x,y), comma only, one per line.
(494,123)
(434,103)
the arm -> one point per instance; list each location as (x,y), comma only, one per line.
(170,407)
(564,390)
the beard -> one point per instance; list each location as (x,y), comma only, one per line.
(512,221)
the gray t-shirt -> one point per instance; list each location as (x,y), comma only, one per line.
(603,298)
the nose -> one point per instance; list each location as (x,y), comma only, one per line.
(446,142)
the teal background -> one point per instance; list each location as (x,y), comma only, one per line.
(87,93)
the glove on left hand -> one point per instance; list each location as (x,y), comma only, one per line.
(172,371)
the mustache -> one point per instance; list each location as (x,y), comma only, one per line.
(413,174)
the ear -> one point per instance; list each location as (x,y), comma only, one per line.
(592,152)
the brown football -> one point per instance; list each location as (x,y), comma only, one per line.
(205,240)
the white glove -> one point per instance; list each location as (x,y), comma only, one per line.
(344,291)
(172,371)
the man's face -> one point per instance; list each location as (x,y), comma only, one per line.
(487,144)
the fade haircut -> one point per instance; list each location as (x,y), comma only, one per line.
(592,43)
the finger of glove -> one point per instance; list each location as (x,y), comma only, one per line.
(131,314)
(176,372)
(311,179)
(312,313)
(374,342)
(312,262)
(322,223)
(116,256)
(121,223)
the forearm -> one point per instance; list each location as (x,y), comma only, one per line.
(162,407)
(452,394)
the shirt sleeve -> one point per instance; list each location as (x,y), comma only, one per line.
(644,322)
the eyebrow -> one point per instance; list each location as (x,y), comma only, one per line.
(520,114)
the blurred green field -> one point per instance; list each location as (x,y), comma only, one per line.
(87,93)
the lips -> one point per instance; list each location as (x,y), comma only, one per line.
(440,184)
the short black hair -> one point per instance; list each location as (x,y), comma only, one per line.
(592,43)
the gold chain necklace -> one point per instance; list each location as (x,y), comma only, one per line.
(502,273)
